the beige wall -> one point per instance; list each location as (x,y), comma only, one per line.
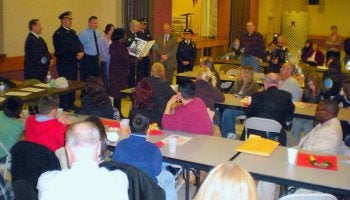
(186,6)
(322,17)
(18,13)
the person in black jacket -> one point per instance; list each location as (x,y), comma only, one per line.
(272,103)
(37,58)
(186,52)
(68,51)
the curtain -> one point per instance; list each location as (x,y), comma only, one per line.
(240,14)
(135,9)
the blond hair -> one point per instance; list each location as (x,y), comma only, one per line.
(207,75)
(227,181)
(158,70)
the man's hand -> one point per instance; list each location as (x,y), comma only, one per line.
(79,55)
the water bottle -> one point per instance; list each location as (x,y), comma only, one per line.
(48,77)
(2,88)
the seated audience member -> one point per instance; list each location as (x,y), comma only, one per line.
(103,135)
(84,179)
(208,62)
(227,181)
(145,155)
(279,55)
(270,52)
(144,102)
(325,138)
(312,94)
(182,117)
(343,98)
(45,128)
(244,86)
(335,77)
(234,50)
(305,50)
(314,56)
(162,91)
(11,128)
(96,101)
(206,90)
(289,83)
(272,103)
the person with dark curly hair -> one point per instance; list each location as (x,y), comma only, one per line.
(144,102)
(96,102)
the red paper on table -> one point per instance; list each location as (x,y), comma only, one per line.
(156,132)
(304,161)
(159,144)
(110,122)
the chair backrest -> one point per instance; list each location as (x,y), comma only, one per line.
(230,72)
(262,124)
(7,162)
(318,196)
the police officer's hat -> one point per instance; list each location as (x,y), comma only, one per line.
(142,20)
(67,14)
(188,31)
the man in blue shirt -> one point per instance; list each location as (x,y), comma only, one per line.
(89,65)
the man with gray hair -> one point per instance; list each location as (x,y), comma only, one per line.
(289,83)
(272,103)
(84,179)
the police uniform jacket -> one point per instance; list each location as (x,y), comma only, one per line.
(186,52)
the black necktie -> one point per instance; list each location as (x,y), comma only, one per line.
(96,44)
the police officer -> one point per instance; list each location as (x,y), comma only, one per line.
(68,51)
(145,62)
(186,52)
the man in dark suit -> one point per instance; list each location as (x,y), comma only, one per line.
(37,58)
(145,62)
(68,51)
(272,103)
(186,52)
(131,33)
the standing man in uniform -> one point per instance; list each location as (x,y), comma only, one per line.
(37,58)
(186,52)
(253,47)
(89,65)
(165,48)
(68,51)
(132,33)
(145,63)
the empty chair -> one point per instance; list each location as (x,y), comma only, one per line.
(318,196)
(262,124)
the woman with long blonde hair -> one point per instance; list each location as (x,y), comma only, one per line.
(227,181)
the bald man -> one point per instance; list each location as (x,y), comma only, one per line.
(252,46)
(272,103)
(84,179)
(165,48)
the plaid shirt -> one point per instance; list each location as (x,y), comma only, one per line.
(253,44)
(5,190)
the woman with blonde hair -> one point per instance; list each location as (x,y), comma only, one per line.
(228,181)
(161,90)
(244,86)
(208,62)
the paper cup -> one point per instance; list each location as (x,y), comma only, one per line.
(59,112)
(292,155)
(124,126)
(172,144)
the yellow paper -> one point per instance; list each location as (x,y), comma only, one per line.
(257,145)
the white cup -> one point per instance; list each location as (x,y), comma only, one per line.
(172,144)
(292,155)
(59,112)
(124,126)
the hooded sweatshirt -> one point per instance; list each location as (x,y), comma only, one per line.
(49,133)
